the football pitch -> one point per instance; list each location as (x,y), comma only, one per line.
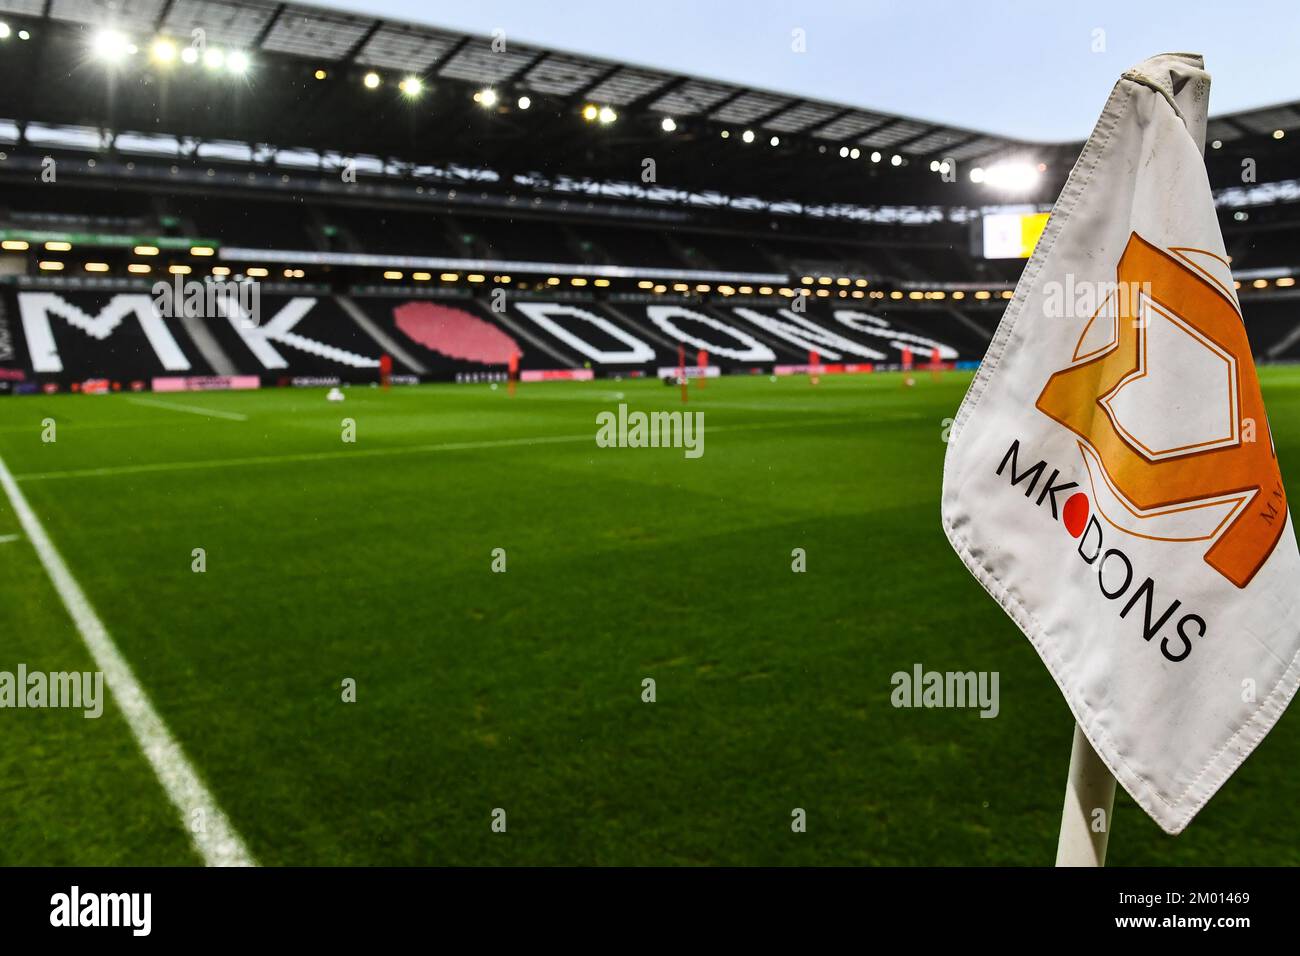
(477,689)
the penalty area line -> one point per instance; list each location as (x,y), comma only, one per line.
(193,409)
(215,839)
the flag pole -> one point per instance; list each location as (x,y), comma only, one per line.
(1090,787)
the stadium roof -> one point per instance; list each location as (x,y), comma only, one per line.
(280,35)
(305,88)
(330,37)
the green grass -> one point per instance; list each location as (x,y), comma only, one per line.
(522,690)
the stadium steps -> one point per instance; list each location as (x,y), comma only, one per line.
(519,331)
(778,345)
(382,338)
(196,327)
(646,331)
(985,335)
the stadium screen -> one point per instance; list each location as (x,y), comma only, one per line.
(1012,235)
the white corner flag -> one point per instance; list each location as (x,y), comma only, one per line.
(1111,479)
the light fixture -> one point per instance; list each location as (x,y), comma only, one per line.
(1279,133)
(320,74)
(110,46)
(668,125)
(163,50)
(58,245)
(607,115)
(146,250)
(486,97)
(179,270)
(96,266)
(411,87)
(392,274)
(726,134)
(371,80)
(214,58)
(844,152)
(524,102)
(237,62)
(51,265)
(774,141)
(1217,144)
(4,30)
(747,136)
(896,160)
(14,245)
(875,156)
(934,165)
(854,153)
(1012,177)
(189,55)
(138,268)
(201,250)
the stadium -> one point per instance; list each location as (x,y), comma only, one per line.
(308,322)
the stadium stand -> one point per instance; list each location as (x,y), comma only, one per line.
(451,252)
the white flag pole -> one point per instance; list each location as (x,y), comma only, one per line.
(1089,788)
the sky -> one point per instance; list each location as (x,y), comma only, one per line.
(1020,68)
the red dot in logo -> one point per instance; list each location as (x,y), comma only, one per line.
(1075,514)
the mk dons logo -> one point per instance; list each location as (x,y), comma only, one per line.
(1163,397)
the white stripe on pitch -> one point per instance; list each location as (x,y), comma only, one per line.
(218,843)
(196,409)
(588,437)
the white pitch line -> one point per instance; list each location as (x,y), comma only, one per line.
(163,466)
(217,842)
(196,409)
(6,538)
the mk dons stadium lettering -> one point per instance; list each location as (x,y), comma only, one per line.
(575,326)
(739,347)
(36,308)
(280,330)
(1115,571)
(546,313)
(1186,470)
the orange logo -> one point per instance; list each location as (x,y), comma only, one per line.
(1164,399)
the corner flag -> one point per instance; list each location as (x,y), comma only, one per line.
(1111,479)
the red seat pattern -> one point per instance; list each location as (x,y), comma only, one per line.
(455,333)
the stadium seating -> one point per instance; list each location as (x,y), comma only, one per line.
(62,336)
